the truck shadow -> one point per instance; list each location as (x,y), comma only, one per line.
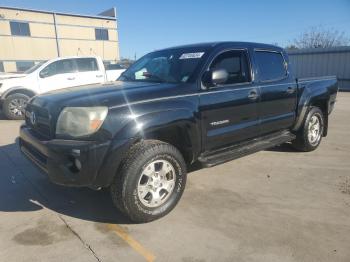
(24,188)
(285,148)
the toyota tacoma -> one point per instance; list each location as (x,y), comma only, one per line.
(203,103)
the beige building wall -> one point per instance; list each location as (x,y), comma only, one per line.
(75,36)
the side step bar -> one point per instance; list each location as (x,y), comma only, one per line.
(223,155)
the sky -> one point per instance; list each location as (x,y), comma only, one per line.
(144,26)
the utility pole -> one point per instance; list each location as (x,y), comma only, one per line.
(56,35)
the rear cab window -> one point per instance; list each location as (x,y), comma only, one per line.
(271,65)
(87,64)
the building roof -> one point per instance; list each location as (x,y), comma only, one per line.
(100,16)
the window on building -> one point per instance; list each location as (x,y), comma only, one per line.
(24,65)
(2,66)
(20,28)
(87,64)
(101,34)
(271,65)
(64,66)
(236,65)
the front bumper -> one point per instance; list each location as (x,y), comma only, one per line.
(58,157)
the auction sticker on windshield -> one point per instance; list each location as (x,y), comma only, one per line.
(191,55)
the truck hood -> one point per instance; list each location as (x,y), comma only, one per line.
(10,75)
(9,82)
(109,94)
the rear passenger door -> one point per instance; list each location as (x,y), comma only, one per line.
(89,71)
(277,106)
(229,110)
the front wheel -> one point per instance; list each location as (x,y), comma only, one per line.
(310,135)
(14,106)
(151,181)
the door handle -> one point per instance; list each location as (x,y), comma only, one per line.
(253,95)
(99,76)
(70,78)
(290,90)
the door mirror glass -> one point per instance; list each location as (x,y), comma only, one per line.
(219,76)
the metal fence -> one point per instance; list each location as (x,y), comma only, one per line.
(322,62)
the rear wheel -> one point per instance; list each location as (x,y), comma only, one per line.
(14,106)
(310,135)
(151,181)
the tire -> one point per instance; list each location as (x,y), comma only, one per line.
(307,139)
(151,181)
(14,105)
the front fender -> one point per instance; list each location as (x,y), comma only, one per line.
(143,127)
(19,89)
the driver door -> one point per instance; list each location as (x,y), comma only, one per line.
(57,75)
(229,110)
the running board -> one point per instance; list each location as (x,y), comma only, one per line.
(223,155)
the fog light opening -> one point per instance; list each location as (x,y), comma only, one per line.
(74,164)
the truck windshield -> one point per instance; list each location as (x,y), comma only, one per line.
(34,67)
(166,66)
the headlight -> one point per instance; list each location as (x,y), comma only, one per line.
(80,121)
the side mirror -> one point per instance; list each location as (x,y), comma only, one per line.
(219,76)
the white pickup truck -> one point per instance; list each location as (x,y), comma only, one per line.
(62,72)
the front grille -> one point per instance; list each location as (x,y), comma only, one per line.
(42,120)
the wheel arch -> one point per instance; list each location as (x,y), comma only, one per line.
(312,97)
(176,127)
(20,90)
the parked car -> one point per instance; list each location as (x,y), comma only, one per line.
(206,103)
(62,72)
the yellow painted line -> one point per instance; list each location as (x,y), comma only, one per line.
(132,242)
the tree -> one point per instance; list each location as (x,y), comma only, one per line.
(319,37)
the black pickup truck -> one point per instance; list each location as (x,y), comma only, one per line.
(204,103)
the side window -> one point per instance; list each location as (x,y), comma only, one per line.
(271,65)
(59,67)
(101,34)
(86,64)
(24,65)
(236,64)
(2,66)
(20,28)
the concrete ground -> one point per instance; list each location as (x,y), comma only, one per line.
(275,205)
